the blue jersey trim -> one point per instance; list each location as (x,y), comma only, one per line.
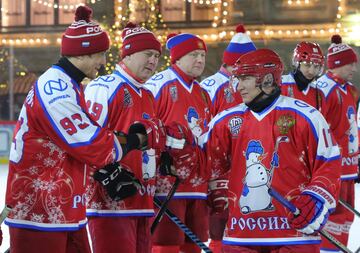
(28,226)
(97,214)
(328,159)
(260,243)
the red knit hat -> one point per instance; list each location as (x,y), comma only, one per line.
(136,38)
(84,36)
(339,54)
(182,44)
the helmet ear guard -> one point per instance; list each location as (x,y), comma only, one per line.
(267,81)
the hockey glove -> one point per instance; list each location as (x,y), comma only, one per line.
(128,142)
(153,129)
(178,136)
(184,158)
(313,214)
(357,180)
(185,161)
(218,195)
(118,182)
(166,163)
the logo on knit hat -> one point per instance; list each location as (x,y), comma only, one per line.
(136,38)
(134,31)
(85,44)
(93,29)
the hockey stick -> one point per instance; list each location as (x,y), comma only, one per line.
(183,227)
(279,139)
(349,207)
(296,211)
(164,205)
(4,214)
(353,210)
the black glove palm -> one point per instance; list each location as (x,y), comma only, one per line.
(118,182)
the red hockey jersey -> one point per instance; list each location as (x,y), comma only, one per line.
(116,101)
(222,91)
(53,139)
(339,109)
(181,100)
(287,146)
(310,95)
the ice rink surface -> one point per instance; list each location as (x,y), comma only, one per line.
(354,243)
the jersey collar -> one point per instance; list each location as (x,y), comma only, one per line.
(183,78)
(122,71)
(336,78)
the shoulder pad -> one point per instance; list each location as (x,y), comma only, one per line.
(324,84)
(212,83)
(155,83)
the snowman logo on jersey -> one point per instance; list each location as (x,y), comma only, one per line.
(148,164)
(352,132)
(255,196)
(193,120)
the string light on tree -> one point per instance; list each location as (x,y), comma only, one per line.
(297,3)
(225,12)
(51,4)
(19,69)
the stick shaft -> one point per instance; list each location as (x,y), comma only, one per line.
(349,207)
(4,214)
(183,227)
(164,205)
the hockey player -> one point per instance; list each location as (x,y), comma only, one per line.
(224,96)
(116,101)
(308,63)
(179,97)
(339,109)
(272,141)
(54,138)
